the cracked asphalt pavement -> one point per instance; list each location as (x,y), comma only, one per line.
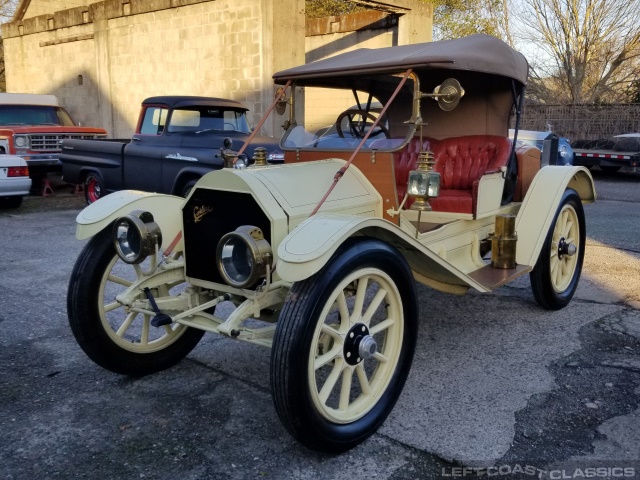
(498,388)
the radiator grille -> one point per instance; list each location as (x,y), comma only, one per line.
(51,142)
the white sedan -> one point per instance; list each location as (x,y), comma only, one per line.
(14,180)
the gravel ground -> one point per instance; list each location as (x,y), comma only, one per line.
(62,198)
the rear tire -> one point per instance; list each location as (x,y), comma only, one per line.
(556,274)
(329,393)
(93,188)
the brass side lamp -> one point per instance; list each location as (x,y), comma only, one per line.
(424,182)
(260,157)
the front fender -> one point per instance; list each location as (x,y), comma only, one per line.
(166,210)
(541,203)
(309,247)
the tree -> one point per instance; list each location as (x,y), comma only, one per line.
(328,8)
(7,9)
(588,51)
(459,18)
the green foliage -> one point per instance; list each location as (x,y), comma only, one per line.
(459,18)
(329,8)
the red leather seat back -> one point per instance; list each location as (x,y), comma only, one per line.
(463,160)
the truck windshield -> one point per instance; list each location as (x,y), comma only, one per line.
(208,119)
(34,115)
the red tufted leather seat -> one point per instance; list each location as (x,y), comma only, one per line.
(461,162)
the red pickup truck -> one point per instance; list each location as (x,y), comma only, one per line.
(33,126)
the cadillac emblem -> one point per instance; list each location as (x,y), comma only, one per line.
(200,212)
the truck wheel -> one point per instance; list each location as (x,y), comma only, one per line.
(93,188)
(555,276)
(186,189)
(343,346)
(119,341)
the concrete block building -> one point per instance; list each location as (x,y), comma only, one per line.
(102,58)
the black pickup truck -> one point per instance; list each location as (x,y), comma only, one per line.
(178,139)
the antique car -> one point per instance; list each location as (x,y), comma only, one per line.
(318,258)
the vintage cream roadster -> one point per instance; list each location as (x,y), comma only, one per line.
(398,168)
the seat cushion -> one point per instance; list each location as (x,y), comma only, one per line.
(460,201)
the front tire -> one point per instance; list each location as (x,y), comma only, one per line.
(332,388)
(122,342)
(556,274)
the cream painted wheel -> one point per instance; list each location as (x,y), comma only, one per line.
(365,307)
(117,339)
(132,331)
(343,346)
(566,235)
(556,274)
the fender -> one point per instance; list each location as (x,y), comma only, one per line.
(541,203)
(166,210)
(309,247)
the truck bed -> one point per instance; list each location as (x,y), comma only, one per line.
(104,154)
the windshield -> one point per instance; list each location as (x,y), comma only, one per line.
(200,120)
(34,115)
(338,119)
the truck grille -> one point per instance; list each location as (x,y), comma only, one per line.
(51,142)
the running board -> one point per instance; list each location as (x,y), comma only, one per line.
(492,278)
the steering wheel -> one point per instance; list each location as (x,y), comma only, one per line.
(229,125)
(358,128)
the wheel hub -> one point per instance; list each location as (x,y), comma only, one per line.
(359,345)
(565,248)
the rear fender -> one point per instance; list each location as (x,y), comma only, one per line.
(166,210)
(541,203)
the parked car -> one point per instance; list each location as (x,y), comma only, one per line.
(178,139)
(319,257)
(14,180)
(34,125)
(563,153)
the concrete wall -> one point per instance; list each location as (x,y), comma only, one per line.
(45,7)
(104,59)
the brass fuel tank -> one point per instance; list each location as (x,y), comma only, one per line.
(503,242)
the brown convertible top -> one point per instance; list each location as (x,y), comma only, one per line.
(476,53)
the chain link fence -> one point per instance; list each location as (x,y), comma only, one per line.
(582,122)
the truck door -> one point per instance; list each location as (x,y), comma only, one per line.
(142,163)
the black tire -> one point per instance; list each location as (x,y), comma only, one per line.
(11,202)
(95,329)
(552,289)
(187,187)
(299,341)
(93,188)
(609,169)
